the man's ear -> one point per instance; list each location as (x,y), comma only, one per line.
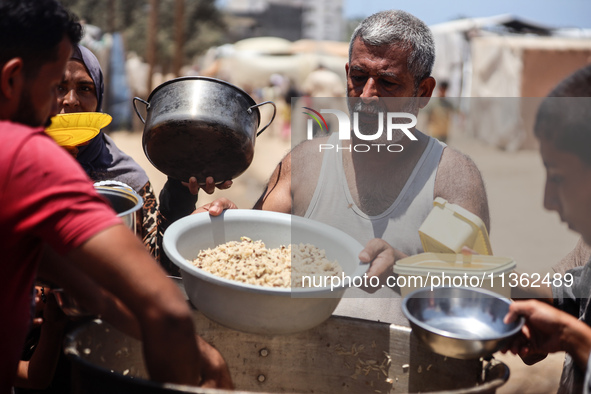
(425,91)
(11,78)
(347,69)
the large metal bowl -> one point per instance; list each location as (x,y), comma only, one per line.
(251,308)
(460,322)
(124,201)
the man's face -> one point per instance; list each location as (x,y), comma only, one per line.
(376,72)
(77,92)
(568,188)
(38,100)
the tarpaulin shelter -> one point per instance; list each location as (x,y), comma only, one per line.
(498,59)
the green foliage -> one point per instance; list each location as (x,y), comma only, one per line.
(204,26)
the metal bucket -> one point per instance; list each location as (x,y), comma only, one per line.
(126,203)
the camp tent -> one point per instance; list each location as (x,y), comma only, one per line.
(495,62)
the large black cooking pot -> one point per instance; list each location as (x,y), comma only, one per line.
(199,126)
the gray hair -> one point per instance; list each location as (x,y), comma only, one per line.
(401,28)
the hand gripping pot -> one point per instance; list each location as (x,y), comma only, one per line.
(201,127)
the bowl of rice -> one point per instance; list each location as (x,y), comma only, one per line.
(263,272)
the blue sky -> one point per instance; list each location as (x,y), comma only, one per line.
(554,13)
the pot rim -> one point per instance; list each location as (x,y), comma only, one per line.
(130,195)
(209,79)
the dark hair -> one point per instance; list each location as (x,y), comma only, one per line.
(564,117)
(33,29)
(401,28)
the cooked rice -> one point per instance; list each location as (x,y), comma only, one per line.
(251,262)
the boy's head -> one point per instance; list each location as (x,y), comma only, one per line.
(563,127)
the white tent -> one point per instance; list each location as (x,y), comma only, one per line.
(487,59)
(250,63)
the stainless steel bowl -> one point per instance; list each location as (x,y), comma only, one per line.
(460,322)
(125,202)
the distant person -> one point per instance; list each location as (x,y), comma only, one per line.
(54,224)
(290,93)
(323,82)
(563,128)
(439,114)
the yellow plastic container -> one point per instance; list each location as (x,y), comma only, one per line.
(454,270)
(76,128)
(449,227)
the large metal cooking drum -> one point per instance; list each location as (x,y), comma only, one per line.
(199,126)
(341,355)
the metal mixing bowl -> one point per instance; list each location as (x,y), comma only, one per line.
(460,322)
(125,202)
(251,308)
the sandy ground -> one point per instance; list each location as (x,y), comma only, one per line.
(520,228)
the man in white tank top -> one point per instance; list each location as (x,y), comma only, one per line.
(378,196)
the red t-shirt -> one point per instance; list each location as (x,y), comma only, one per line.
(45,198)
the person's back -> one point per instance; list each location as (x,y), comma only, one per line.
(27,222)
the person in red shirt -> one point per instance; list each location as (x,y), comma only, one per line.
(48,207)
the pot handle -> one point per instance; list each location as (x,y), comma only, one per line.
(136,110)
(249,110)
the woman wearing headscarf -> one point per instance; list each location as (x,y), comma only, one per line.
(82,90)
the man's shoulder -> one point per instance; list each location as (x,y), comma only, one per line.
(455,169)
(454,160)
(17,132)
(459,181)
(14,136)
(307,152)
(305,163)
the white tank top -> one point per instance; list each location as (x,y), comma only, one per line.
(398,225)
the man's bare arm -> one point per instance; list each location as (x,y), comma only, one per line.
(459,181)
(277,195)
(56,269)
(294,180)
(118,262)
